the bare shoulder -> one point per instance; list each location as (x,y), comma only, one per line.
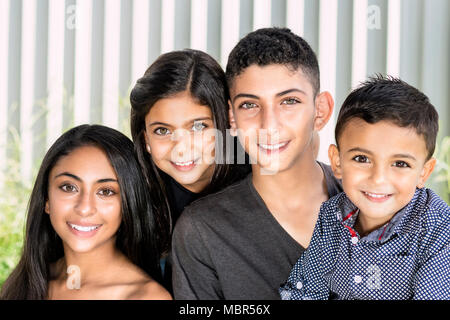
(150,290)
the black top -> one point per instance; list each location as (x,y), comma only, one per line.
(229,246)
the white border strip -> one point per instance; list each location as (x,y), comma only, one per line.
(262,14)
(111,63)
(167,25)
(83,60)
(295,16)
(55,81)
(229,35)
(359,45)
(328,17)
(199,24)
(27,87)
(139,55)
(393,38)
(4,45)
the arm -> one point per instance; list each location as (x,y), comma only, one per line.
(193,273)
(433,277)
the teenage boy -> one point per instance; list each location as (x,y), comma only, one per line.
(242,242)
(386,236)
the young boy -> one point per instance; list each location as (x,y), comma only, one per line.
(242,242)
(385,236)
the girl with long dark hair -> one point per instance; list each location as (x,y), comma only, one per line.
(90,230)
(182,96)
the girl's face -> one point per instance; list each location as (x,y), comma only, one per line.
(84,200)
(180,137)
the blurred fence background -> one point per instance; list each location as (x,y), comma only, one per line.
(68,62)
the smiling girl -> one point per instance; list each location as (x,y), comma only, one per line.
(179,118)
(90,231)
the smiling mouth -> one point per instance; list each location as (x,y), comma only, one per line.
(184,166)
(84,228)
(269,148)
(377,197)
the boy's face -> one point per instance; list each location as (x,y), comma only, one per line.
(380,166)
(275,114)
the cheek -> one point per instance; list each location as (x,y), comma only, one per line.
(160,149)
(112,212)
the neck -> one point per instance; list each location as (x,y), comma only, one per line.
(304,180)
(365,225)
(93,265)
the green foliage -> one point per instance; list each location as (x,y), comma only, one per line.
(442,170)
(13,202)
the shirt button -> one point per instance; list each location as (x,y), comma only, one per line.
(354,240)
(299,285)
(358,279)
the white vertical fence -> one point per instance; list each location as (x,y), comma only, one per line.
(86,54)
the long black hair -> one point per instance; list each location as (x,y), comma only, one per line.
(174,72)
(42,246)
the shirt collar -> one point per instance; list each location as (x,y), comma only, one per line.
(404,221)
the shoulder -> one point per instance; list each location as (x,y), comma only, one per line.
(435,211)
(334,185)
(429,215)
(149,290)
(212,206)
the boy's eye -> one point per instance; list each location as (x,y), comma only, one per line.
(247,105)
(401,164)
(162,131)
(106,192)
(361,159)
(68,188)
(198,126)
(290,101)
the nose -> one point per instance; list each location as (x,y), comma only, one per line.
(270,125)
(183,141)
(378,174)
(270,119)
(85,205)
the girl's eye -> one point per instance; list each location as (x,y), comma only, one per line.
(361,159)
(247,105)
(198,126)
(162,131)
(401,164)
(68,188)
(106,192)
(291,101)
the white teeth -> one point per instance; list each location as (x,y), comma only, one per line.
(376,195)
(83,229)
(272,146)
(184,164)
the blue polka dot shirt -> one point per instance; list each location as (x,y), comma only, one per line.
(407,258)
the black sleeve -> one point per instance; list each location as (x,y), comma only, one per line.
(193,273)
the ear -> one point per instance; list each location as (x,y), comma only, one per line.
(428,168)
(324,109)
(147,142)
(47,207)
(335,161)
(232,121)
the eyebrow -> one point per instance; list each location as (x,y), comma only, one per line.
(280,94)
(398,155)
(169,125)
(79,179)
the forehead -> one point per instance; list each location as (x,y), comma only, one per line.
(383,137)
(177,109)
(269,80)
(85,161)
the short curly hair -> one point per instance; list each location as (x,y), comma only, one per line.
(274,46)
